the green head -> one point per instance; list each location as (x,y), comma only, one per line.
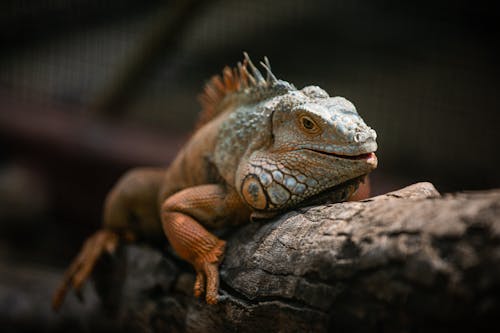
(309,119)
(290,145)
(318,143)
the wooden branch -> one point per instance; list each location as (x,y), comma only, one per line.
(408,260)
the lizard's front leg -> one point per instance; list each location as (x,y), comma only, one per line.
(182,215)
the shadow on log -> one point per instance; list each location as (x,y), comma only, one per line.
(409,260)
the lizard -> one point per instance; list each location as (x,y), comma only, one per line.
(261,147)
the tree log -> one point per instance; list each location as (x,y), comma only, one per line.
(409,260)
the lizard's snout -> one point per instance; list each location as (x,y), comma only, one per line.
(365,135)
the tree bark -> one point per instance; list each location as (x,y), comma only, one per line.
(409,260)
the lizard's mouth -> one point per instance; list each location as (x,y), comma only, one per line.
(365,156)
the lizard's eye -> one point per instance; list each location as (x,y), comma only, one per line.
(309,125)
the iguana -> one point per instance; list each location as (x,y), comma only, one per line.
(261,147)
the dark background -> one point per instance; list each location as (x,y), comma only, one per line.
(89,89)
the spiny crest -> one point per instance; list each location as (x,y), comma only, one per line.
(244,78)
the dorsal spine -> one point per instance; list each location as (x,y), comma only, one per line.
(240,86)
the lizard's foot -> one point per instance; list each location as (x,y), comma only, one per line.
(82,266)
(207,274)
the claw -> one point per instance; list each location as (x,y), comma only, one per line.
(222,298)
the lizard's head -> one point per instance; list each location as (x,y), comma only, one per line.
(296,144)
(310,121)
(319,144)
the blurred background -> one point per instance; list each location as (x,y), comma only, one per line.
(89,89)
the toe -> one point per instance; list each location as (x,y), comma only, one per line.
(199,285)
(212,275)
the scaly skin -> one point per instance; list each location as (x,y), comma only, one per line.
(262,147)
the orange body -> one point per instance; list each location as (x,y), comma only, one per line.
(262,147)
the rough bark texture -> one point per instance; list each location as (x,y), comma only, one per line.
(409,260)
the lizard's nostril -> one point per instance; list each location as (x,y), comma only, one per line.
(357,137)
